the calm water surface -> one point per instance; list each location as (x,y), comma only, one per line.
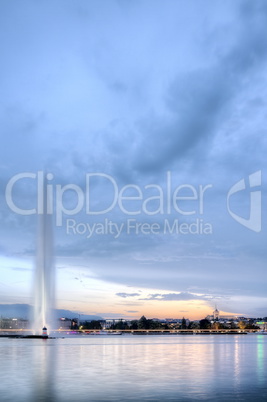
(135,368)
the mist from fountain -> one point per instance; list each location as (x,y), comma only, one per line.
(44,278)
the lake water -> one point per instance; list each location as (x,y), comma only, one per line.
(135,368)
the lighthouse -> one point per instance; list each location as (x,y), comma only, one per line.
(44,333)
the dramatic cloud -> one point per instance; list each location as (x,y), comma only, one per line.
(134,90)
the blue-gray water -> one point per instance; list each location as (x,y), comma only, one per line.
(135,368)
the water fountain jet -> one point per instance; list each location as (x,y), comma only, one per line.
(44,279)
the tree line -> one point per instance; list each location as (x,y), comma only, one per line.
(146,324)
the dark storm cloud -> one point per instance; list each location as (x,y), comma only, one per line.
(200,99)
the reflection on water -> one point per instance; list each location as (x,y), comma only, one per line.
(44,373)
(134,368)
(236,372)
(260,355)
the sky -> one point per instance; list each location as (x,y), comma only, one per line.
(146,120)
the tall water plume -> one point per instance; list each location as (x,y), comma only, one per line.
(44,279)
